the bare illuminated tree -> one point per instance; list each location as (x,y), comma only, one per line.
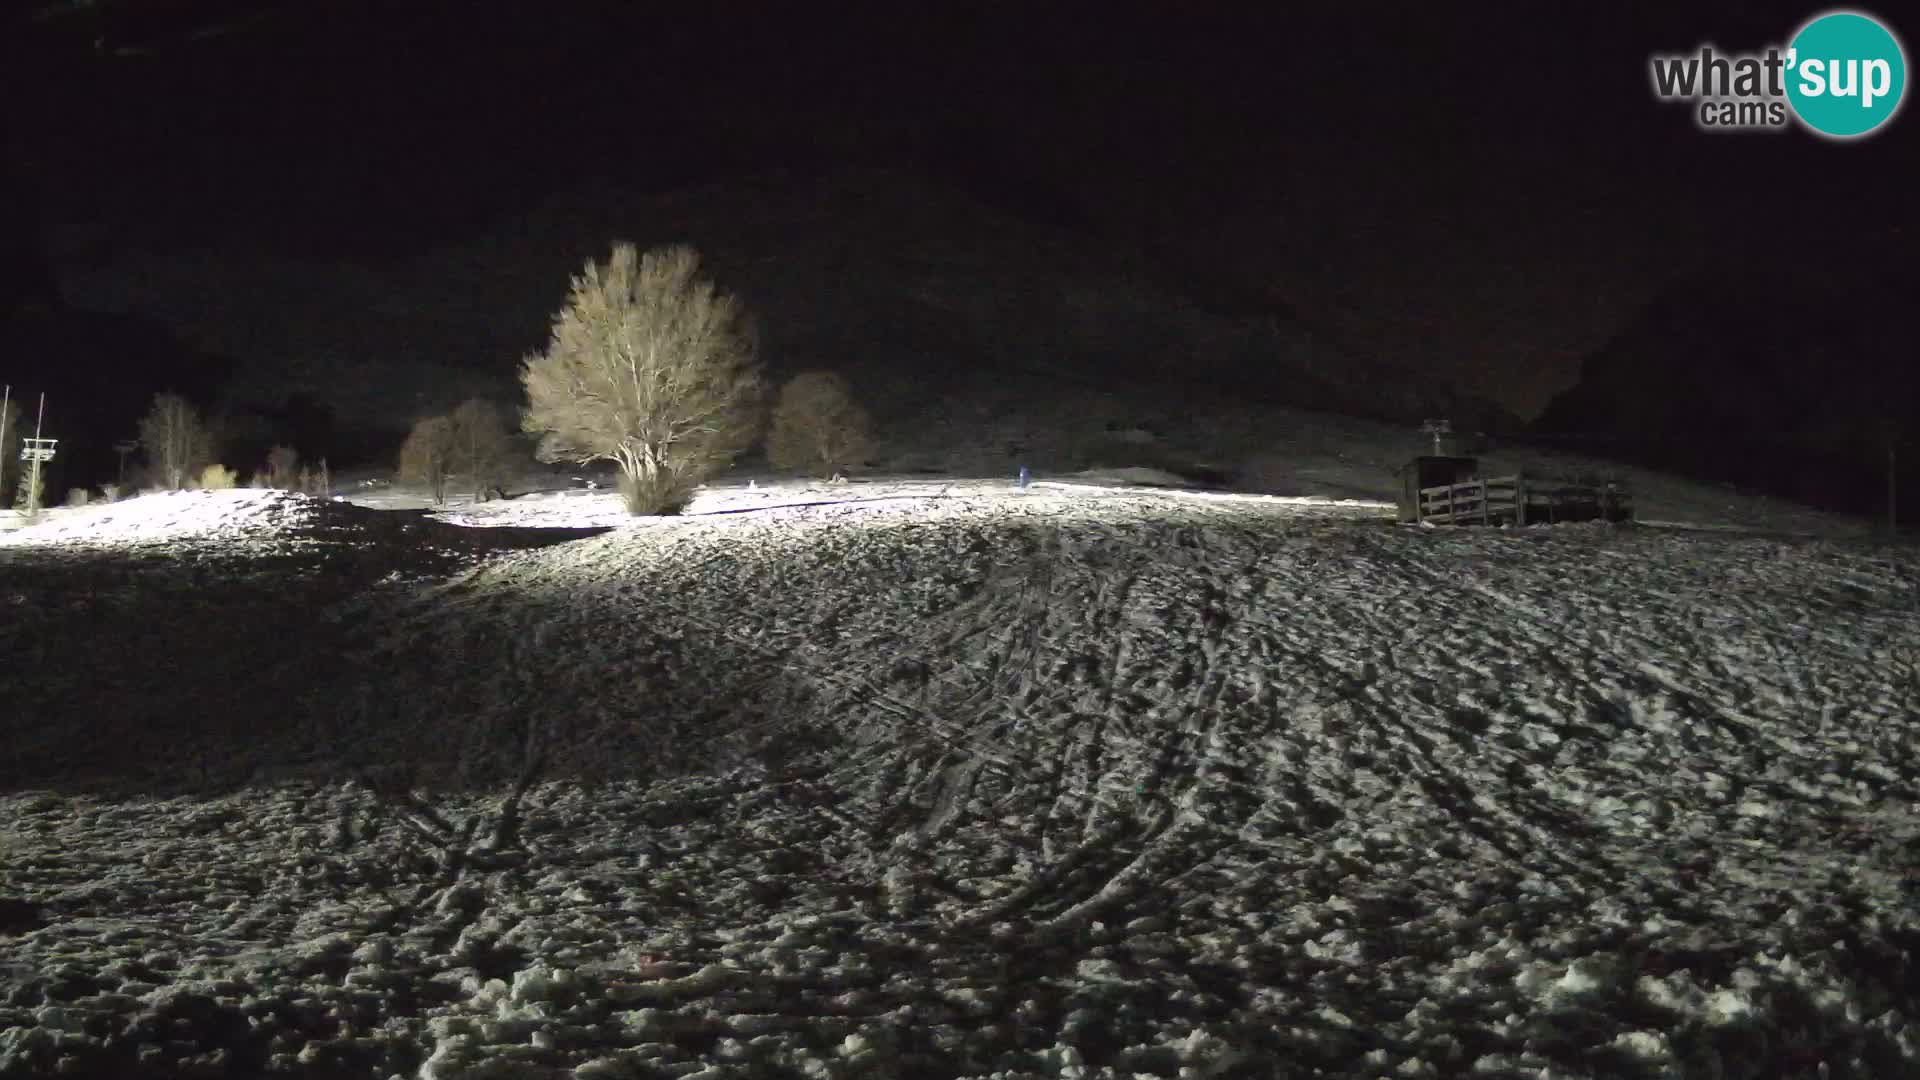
(427,455)
(176,441)
(482,445)
(650,367)
(818,426)
(283,465)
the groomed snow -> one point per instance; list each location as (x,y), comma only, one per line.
(916,778)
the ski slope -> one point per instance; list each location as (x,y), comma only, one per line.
(954,780)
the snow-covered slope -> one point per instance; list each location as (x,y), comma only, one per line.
(951,780)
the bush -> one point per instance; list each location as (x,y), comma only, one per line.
(427,455)
(110,493)
(78,496)
(818,426)
(650,367)
(217,477)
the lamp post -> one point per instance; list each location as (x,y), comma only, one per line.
(35,451)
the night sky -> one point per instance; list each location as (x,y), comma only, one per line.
(1489,195)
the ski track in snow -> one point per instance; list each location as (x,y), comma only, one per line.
(954,782)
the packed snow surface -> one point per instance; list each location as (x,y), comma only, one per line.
(950,780)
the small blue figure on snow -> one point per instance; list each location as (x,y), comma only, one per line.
(1025,477)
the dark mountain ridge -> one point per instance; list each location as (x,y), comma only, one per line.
(1790,383)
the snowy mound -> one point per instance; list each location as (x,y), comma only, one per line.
(184,515)
(972,781)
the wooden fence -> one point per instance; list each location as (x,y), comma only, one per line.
(1516,500)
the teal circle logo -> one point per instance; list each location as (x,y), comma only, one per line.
(1846,74)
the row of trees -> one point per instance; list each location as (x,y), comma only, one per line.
(648,366)
(653,368)
(816,427)
(180,448)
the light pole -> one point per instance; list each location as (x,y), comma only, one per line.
(36,450)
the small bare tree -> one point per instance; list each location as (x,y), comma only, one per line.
(818,426)
(650,367)
(283,466)
(427,455)
(30,491)
(482,445)
(176,442)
